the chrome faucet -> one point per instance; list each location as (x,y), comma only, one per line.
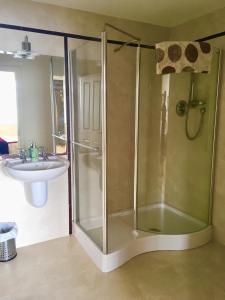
(43,154)
(22,155)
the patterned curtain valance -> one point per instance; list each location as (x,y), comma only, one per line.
(183,56)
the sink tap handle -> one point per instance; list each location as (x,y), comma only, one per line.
(43,153)
(22,154)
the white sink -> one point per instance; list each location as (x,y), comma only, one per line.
(35,176)
(37,171)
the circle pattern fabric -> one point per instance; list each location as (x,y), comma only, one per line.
(191,53)
(205,47)
(183,56)
(159,55)
(174,52)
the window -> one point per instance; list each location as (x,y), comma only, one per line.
(8,107)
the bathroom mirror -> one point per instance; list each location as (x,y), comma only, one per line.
(32,94)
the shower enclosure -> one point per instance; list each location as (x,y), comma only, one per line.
(175,173)
(139,183)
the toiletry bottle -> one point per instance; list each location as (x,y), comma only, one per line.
(34,152)
(29,149)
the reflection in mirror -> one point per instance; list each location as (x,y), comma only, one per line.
(58,105)
(8,112)
(86,61)
(32,92)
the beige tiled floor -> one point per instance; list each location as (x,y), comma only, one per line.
(60,269)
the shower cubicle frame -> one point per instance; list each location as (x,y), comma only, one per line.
(104,42)
(104,144)
(136,40)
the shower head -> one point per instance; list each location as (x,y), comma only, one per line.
(26,52)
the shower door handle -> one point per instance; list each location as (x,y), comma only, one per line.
(86,146)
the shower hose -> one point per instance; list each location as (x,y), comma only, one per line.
(194,136)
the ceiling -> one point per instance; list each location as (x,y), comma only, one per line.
(167,13)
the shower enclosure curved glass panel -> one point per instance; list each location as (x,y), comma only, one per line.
(175,171)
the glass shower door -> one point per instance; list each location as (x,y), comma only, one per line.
(87,136)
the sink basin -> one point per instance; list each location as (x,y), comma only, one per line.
(37,171)
(36,175)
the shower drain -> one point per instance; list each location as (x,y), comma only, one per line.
(154,229)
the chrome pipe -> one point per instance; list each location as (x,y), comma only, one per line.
(104,143)
(137,96)
(122,31)
(124,44)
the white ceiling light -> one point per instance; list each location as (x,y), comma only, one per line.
(26,50)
